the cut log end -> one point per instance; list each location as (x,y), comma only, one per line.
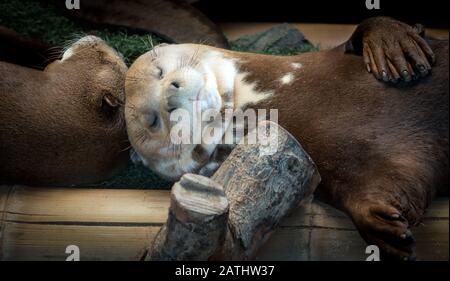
(196,198)
(197,221)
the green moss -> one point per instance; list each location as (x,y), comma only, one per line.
(131,46)
(134,176)
(37,20)
(44,21)
(286,52)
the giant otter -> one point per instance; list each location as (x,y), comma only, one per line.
(64,125)
(381,149)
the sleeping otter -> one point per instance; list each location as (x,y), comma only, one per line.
(64,125)
(381,149)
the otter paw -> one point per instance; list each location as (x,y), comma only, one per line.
(385,226)
(397,52)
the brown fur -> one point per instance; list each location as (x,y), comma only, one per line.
(381,149)
(63,125)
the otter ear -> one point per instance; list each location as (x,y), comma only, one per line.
(111,100)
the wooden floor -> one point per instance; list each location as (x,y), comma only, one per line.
(320,232)
(39,223)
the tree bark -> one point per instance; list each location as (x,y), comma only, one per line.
(262,188)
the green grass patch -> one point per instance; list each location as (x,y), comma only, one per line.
(45,22)
(285,52)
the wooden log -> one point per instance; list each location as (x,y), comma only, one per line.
(197,221)
(263,182)
(112,224)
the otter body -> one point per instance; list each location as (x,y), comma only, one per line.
(60,126)
(381,149)
(352,124)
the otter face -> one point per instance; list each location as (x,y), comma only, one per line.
(170,78)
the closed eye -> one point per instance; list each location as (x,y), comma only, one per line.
(172,109)
(152,120)
(160,73)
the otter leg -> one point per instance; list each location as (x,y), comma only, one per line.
(386,201)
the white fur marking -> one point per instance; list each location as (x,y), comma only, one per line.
(296,65)
(245,92)
(85,40)
(287,79)
(67,54)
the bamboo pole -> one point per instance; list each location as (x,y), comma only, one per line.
(109,224)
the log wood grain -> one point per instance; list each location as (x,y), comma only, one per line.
(263,183)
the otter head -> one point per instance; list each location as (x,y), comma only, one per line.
(170,82)
(87,87)
(93,65)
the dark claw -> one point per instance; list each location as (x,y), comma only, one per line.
(385,76)
(406,76)
(433,58)
(407,235)
(423,70)
(412,257)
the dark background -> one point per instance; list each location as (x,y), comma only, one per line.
(432,13)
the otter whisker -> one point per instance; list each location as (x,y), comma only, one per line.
(193,61)
(134,77)
(130,105)
(125,149)
(74,37)
(141,137)
(154,51)
(205,41)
